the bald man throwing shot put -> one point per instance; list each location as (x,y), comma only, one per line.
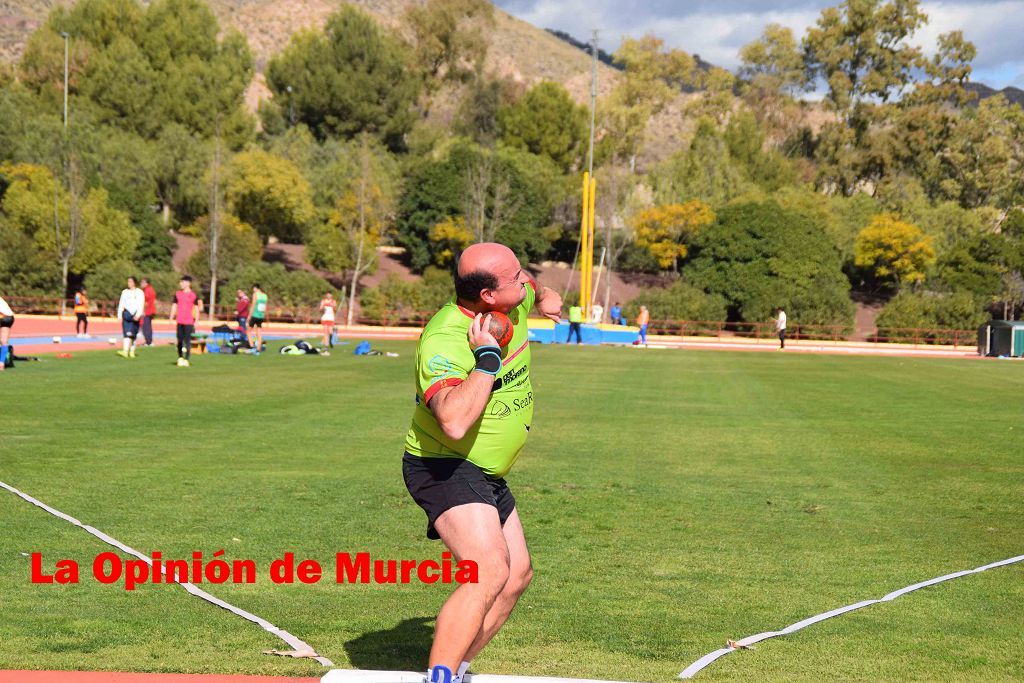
(474,407)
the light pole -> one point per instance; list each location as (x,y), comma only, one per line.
(67,41)
(291,107)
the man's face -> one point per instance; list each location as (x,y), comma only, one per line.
(131,283)
(511,289)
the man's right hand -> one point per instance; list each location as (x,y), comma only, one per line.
(479,332)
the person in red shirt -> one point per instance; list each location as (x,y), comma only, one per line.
(148,311)
(241,309)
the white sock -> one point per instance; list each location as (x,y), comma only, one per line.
(463,668)
(124,343)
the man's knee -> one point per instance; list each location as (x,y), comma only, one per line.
(493,575)
(519,579)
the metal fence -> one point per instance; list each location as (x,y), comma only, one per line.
(683,328)
(916,335)
(722,330)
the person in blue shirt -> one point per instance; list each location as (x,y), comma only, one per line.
(616,314)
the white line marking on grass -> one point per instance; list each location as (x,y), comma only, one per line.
(372,676)
(691,670)
(191,588)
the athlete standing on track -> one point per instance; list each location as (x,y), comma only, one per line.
(6,322)
(327,308)
(185,312)
(81,313)
(129,311)
(474,407)
(257,314)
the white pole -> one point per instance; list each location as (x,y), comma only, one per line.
(600,269)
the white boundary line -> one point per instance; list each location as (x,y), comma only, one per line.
(296,643)
(373,676)
(707,659)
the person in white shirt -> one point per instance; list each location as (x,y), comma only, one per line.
(6,321)
(780,326)
(129,309)
(597,314)
(327,308)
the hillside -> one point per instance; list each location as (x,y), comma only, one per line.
(518,50)
(1012,95)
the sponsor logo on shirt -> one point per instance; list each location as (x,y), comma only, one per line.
(512,375)
(440,366)
(500,410)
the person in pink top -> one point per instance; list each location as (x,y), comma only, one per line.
(185,312)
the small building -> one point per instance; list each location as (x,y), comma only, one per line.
(1001,338)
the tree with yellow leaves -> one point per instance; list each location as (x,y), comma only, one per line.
(451,237)
(78,229)
(269,193)
(894,251)
(666,230)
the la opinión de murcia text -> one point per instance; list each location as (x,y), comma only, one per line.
(348,568)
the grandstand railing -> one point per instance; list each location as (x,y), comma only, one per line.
(683,328)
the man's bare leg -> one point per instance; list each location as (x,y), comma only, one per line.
(472,532)
(520,574)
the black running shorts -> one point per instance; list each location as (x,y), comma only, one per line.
(439,484)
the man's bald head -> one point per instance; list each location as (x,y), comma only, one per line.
(484,269)
(487,257)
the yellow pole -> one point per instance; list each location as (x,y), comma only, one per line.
(584,237)
(590,246)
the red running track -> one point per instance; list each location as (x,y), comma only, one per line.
(104,328)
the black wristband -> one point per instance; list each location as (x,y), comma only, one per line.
(488,359)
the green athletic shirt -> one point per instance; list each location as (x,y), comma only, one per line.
(444,359)
(259,309)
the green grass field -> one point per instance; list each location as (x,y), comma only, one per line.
(672,499)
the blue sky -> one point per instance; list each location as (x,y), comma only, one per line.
(716,29)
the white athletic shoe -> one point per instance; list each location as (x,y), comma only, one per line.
(181,362)
(439,674)
(184,362)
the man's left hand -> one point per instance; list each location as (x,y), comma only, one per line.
(550,304)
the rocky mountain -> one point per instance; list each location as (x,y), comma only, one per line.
(1012,95)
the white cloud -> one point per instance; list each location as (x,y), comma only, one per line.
(996,29)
